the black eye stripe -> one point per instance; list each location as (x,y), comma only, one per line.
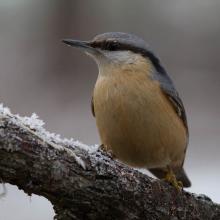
(114,45)
(106,45)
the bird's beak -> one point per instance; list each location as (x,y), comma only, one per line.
(84,45)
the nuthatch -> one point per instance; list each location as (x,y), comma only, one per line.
(139,114)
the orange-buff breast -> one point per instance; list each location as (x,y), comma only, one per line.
(136,121)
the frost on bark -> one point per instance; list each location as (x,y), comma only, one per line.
(83,182)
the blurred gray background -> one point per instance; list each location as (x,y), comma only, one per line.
(40,74)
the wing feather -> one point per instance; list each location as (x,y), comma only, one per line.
(170,91)
(92,107)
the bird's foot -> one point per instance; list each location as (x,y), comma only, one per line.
(102,147)
(108,151)
(171,178)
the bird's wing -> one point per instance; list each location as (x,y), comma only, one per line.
(177,105)
(172,95)
(92,107)
(167,87)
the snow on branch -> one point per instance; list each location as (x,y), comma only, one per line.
(82,182)
(36,126)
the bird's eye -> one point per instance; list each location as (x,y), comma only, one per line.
(106,45)
(110,45)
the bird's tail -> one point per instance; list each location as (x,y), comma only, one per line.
(180,175)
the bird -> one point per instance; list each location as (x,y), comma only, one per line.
(139,114)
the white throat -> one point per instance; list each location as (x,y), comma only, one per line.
(108,61)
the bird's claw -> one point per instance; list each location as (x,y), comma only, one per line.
(109,152)
(171,178)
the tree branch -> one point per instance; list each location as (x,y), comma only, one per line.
(85,183)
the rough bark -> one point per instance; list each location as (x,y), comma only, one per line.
(89,185)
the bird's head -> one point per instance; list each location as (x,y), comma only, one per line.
(116,49)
